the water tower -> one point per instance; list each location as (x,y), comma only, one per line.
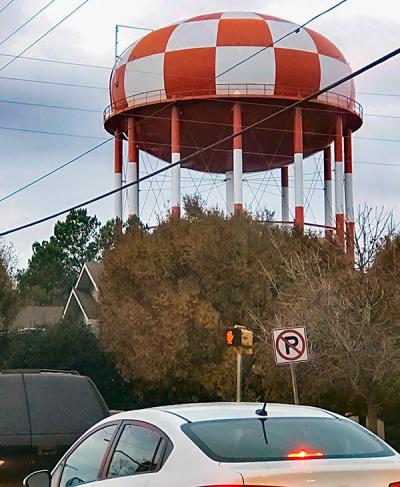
(173,92)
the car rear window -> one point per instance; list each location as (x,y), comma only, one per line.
(275,439)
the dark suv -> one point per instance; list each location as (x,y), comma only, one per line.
(42,412)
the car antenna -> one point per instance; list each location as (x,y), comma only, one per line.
(263,411)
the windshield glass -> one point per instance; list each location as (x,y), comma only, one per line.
(245,440)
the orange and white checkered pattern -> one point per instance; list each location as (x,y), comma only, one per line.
(193,57)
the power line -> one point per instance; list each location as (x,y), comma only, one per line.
(56,61)
(27,22)
(151,142)
(59,107)
(43,35)
(296,30)
(45,132)
(91,110)
(285,109)
(58,168)
(56,83)
(7,5)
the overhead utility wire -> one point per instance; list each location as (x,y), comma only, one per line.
(294,105)
(58,168)
(246,59)
(27,22)
(57,83)
(239,63)
(44,35)
(5,6)
(92,110)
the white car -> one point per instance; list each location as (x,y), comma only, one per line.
(226,445)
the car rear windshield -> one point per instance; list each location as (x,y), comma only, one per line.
(275,439)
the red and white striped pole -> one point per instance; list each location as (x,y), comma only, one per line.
(328,201)
(118,148)
(132,170)
(176,170)
(339,189)
(298,170)
(285,193)
(229,192)
(237,161)
(348,186)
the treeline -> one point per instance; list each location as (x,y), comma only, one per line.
(168,295)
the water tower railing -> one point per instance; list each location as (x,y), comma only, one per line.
(233,89)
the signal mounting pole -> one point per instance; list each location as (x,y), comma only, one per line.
(241,339)
(239,377)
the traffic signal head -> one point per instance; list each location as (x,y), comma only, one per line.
(233,337)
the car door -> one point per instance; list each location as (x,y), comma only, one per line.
(84,463)
(138,452)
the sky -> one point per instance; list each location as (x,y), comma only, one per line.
(362,29)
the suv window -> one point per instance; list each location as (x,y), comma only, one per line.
(138,450)
(84,462)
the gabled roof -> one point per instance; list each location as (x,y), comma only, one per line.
(91,271)
(81,298)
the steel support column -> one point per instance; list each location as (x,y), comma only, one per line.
(176,170)
(285,194)
(328,201)
(298,170)
(339,189)
(118,151)
(349,197)
(132,170)
(237,161)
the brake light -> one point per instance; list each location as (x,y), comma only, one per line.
(304,454)
(394,484)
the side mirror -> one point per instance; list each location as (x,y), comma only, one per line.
(41,478)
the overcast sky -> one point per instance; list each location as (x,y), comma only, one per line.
(362,29)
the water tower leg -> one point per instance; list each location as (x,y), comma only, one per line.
(285,193)
(229,192)
(176,170)
(348,182)
(339,190)
(237,161)
(118,175)
(328,202)
(298,170)
(132,170)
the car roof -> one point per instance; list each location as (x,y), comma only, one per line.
(227,410)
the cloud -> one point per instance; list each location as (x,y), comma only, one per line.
(361,30)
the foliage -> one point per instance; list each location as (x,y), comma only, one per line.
(352,320)
(67,346)
(56,263)
(167,297)
(9,301)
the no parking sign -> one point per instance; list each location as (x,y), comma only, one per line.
(290,345)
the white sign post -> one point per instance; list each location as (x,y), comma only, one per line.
(290,346)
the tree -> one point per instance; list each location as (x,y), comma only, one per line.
(9,301)
(168,295)
(56,263)
(352,319)
(68,346)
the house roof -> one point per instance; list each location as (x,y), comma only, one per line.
(82,297)
(87,302)
(95,270)
(37,316)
